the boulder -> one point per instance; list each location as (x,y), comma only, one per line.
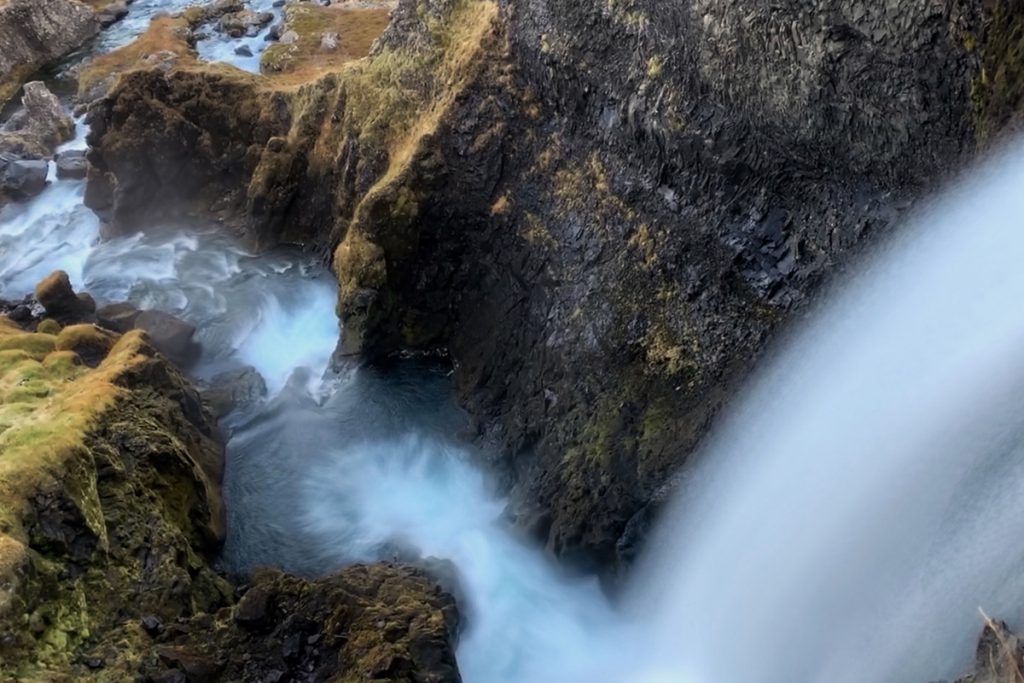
(329,41)
(34,33)
(171,336)
(243,51)
(232,390)
(72,165)
(378,622)
(112,13)
(41,124)
(57,297)
(244,23)
(118,317)
(22,178)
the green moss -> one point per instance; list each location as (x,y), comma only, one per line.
(997,91)
(37,346)
(49,326)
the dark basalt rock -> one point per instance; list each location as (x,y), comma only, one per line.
(378,622)
(172,336)
(21,179)
(233,390)
(72,165)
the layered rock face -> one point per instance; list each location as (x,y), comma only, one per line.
(33,34)
(602,210)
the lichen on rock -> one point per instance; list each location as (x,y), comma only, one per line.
(109,499)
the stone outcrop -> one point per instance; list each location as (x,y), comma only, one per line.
(602,211)
(999,657)
(388,623)
(42,123)
(34,34)
(109,498)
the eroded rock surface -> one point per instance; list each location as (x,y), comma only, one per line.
(603,211)
(33,34)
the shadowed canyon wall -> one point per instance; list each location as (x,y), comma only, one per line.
(601,210)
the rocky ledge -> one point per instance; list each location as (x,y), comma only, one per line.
(111,516)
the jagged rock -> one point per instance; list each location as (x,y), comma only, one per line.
(61,302)
(33,34)
(233,390)
(112,13)
(172,336)
(42,123)
(111,491)
(21,179)
(246,22)
(72,165)
(373,622)
(119,317)
(999,657)
(288,38)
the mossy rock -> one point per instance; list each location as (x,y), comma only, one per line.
(89,342)
(109,502)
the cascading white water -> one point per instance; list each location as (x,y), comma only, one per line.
(866,496)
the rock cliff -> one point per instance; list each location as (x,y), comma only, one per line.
(602,210)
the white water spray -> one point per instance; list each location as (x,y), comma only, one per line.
(866,497)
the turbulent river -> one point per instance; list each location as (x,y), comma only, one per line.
(865,496)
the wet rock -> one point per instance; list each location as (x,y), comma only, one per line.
(243,51)
(364,623)
(72,165)
(118,317)
(60,301)
(172,336)
(112,13)
(274,34)
(253,610)
(999,657)
(38,126)
(152,624)
(233,390)
(22,179)
(197,667)
(244,23)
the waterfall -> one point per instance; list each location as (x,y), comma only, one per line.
(865,495)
